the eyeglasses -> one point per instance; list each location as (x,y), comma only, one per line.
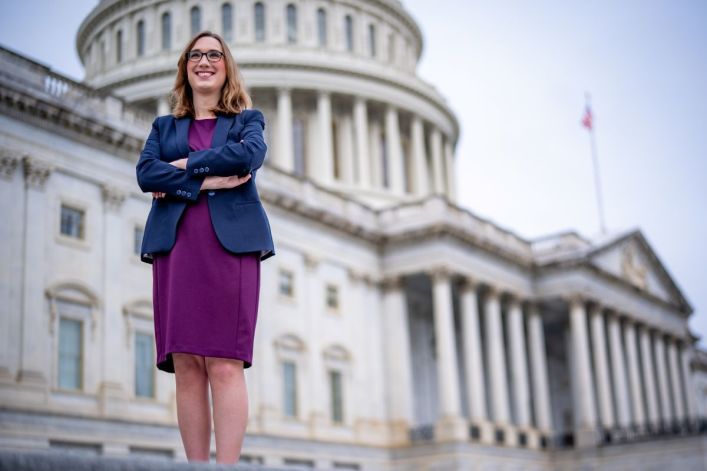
(212,55)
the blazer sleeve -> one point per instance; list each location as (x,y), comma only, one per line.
(233,158)
(154,174)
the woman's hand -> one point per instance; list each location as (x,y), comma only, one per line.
(217,183)
(180,163)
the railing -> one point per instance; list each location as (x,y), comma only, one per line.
(25,75)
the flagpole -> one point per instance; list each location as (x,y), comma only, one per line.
(597,181)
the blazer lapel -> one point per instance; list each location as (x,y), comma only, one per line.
(223,124)
(183,135)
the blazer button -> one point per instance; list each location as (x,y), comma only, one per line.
(211,193)
(201,170)
(207,169)
(179,192)
(189,195)
(196,171)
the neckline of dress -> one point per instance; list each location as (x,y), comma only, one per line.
(206,119)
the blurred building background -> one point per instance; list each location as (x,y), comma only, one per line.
(397,330)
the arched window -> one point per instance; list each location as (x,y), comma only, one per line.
(348,26)
(73,325)
(227,22)
(321,27)
(195,17)
(337,361)
(291,353)
(166,31)
(140,32)
(372,39)
(119,46)
(291,24)
(259,22)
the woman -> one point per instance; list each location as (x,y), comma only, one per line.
(206,234)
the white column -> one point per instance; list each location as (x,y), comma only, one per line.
(362,152)
(634,373)
(450,174)
(475,384)
(662,373)
(623,416)
(374,144)
(496,358)
(163,107)
(111,387)
(538,363)
(691,409)
(518,353)
(325,166)
(35,354)
(674,367)
(284,157)
(346,149)
(396,173)
(601,365)
(450,425)
(585,418)
(397,358)
(419,166)
(649,375)
(437,170)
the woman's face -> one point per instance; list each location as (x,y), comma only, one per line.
(205,77)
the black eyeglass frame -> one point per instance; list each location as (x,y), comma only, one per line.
(212,52)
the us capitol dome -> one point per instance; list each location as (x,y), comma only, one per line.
(335,80)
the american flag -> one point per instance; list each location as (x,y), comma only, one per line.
(587,119)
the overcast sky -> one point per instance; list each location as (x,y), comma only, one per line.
(515,73)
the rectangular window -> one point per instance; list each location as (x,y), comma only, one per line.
(144,360)
(332,297)
(286,283)
(337,406)
(70,353)
(289,373)
(137,239)
(72,222)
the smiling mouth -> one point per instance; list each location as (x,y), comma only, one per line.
(204,74)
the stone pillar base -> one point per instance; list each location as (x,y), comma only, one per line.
(451,429)
(399,433)
(487,433)
(585,438)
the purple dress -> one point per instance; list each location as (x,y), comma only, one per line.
(205,298)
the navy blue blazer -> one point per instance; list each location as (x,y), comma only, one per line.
(237,214)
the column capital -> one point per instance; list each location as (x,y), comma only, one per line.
(113,197)
(493,291)
(574,299)
(311,261)
(36,171)
(514,296)
(468,283)
(440,272)
(392,283)
(9,161)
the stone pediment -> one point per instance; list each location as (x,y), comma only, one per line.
(630,258)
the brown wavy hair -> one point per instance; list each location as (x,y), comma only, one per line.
(234,97)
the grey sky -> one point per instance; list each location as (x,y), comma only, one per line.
(515,73)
